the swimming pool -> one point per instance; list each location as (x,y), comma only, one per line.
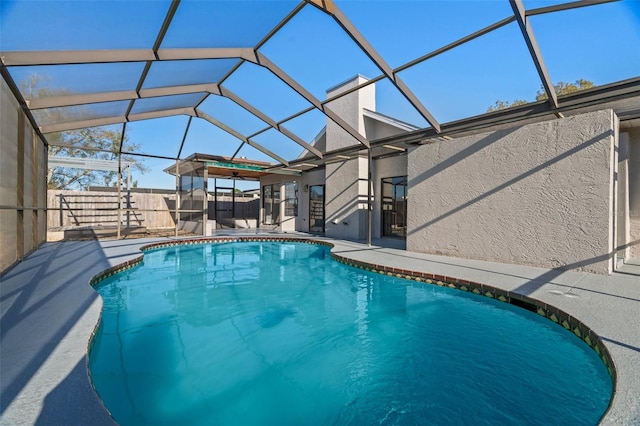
(278,333)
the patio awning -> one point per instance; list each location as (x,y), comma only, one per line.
(223,167)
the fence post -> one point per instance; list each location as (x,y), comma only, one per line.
(128,208)
(128,195)
(61,213)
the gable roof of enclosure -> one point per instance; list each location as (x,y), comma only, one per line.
(122,63)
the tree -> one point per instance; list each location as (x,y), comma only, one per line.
(504,104)
(561,88)
(95,142)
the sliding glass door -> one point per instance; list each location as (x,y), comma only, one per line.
(271,204)
(316,209)
(394,207)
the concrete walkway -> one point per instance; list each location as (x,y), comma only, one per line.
(49,312)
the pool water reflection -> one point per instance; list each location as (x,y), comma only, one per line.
(279,333)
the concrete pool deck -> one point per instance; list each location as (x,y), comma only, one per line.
(49,312)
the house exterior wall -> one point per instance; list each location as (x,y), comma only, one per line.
(346,182)
(349,108)
(346,198)
(540,194)
(22,183)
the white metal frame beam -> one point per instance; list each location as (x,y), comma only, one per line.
(106,121)
(330,8)
(266,62)
(173,7)
(534,50)
(72,57)
(80,57)
(124,95)
(272,123)
(86,163)
(184,137)
(241,137)
(566,6)
(254,56)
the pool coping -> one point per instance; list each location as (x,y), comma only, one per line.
(605,326)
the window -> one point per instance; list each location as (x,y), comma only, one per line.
(291,199)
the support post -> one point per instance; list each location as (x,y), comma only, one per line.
(233,203)
(205,207)
(369,204)
(624,220)
(215,201)
(128,195)
(61,211)
(177,195)
(119,195)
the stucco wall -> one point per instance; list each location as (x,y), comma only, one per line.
(346,182)
(540,194)
(345,199)
(349,108)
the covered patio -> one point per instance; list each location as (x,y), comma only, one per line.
(504,135)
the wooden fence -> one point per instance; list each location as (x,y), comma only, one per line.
(95,208)
(150,210)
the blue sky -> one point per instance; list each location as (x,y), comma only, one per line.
(599,43)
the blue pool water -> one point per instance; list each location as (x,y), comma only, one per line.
(270,333)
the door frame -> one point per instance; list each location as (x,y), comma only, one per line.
(389,181)
(323,207)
